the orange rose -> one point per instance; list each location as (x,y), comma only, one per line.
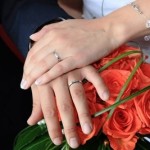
(122,126)
(126,63)
(94,107)
(119,144)
(90,92)
(142,104)
(141,79)
(114,80)
(145,67)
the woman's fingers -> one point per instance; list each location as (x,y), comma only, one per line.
(38,66)
(67,111)
(59,69)
(50,113)
(36,114)
(38,35)
(74,51)
(52,24)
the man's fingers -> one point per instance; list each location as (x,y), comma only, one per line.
(36,114)
(50,113)
(93,76)
(66,110)
(81,104)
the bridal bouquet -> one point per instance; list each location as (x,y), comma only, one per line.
(122,122)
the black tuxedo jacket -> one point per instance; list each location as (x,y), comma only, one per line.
(20,18)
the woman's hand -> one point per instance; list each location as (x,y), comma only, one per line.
(76,42)
(63,96)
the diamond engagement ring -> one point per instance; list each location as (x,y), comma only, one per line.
(57,56)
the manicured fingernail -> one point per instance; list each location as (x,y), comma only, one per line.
(74,143)
(87,128)
(23,84)
(105,96)
(38,81)
(57,141)
(31,36)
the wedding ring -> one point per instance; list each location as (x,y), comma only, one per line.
(73,82)
(57,56)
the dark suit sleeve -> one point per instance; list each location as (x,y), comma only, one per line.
(21,18)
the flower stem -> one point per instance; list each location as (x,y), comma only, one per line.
(122,101)
(126,85)
(117,58)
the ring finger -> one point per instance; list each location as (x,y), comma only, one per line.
(81,104)
(67,111)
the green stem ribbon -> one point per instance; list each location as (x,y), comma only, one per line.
(122,101)
(36,137)
(126,85)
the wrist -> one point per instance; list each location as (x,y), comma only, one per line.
(123,25)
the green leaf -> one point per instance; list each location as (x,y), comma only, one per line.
(28,135)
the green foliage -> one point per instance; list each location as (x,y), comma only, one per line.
(37,138)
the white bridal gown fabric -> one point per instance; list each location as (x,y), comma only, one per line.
(99,8)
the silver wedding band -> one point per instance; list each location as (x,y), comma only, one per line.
(73,82)
(57,56)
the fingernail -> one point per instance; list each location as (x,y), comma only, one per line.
(74,143)
(105,96)
(87,128)
(57,141)
(38,81)
(23,84)
(31,36)
(29,121)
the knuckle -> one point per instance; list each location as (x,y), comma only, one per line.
(84,115)
(59,69)
(32,76)
(61,38)
(45,28)
(33,59)
(54,132)
(70,131)
(35,105)
(43,64)
(78,93)
(65,108)
(53,32)
(80,63)
(50,113)
(47,77)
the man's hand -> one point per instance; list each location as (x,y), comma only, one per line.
(60,99)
